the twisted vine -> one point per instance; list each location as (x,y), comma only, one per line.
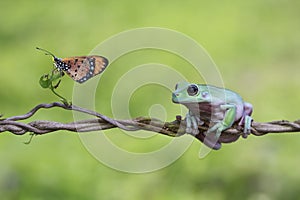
(175,128)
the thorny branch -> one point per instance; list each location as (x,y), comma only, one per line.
(100,122)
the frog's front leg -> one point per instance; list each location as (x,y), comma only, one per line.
(230,113)
(192,122)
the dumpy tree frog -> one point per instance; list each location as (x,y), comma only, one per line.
(218,106)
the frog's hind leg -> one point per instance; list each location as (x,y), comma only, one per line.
(247,126)
(246,120)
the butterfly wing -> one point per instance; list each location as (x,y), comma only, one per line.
(82,68)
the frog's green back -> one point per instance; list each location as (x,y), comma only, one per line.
(222,94)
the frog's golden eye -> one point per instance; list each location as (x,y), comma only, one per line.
(192,90)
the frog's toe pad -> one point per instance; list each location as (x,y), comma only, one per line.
(246,132)
(192,131)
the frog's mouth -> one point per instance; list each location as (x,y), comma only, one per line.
(174,98)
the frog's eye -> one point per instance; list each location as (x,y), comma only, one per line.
(204,94)
(192,90)
(176,86)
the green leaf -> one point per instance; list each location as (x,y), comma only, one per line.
(45,82)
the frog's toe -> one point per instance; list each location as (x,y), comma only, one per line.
(245,135)
(188,130)
(199,121)
(195,132)
(192,131)
(246,132)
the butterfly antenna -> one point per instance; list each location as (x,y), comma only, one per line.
(46,52)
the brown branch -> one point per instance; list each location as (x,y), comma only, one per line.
(101,122)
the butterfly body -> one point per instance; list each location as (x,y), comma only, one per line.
(80,68)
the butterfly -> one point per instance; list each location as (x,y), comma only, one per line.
(79,68)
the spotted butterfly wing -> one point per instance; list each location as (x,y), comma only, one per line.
(82,68)
(79,68)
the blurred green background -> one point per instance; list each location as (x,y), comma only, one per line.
(256,46)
